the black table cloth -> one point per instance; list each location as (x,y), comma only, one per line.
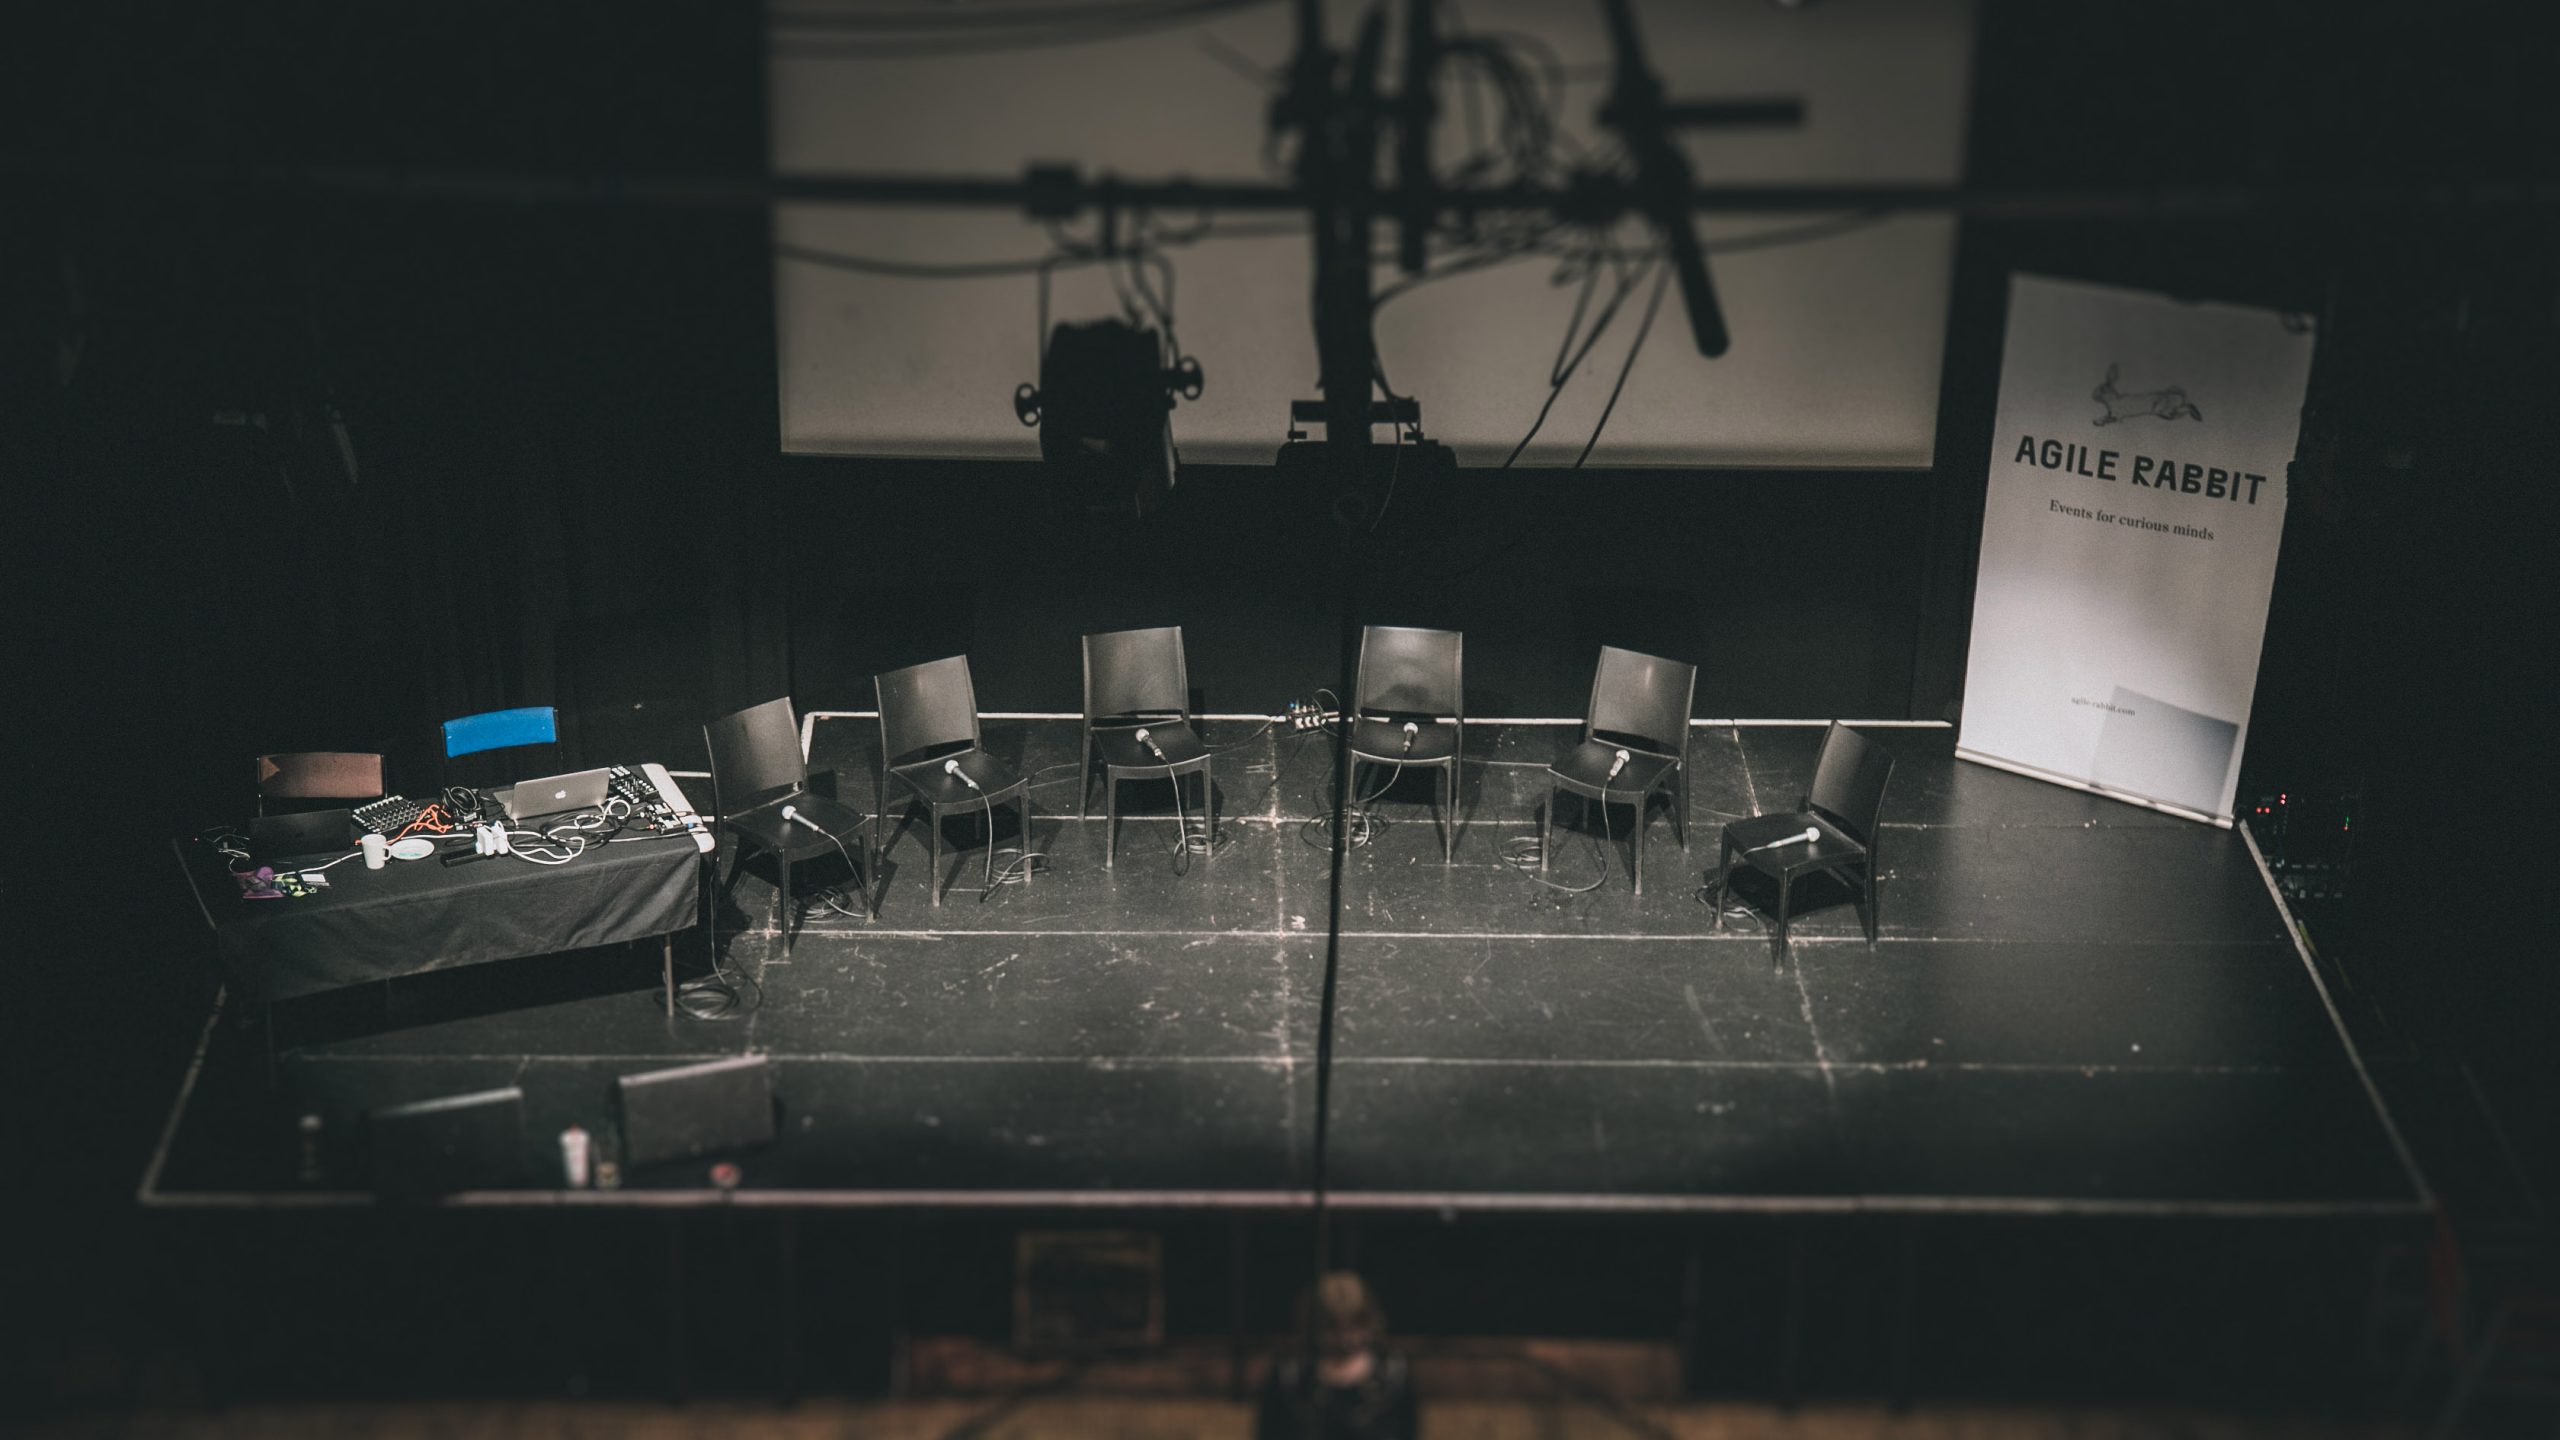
(414,916)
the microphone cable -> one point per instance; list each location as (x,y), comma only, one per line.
(1026,862)
(1183,849)
(1363,826)
(855,872)
(1524,852)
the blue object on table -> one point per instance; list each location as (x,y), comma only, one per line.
(499,729)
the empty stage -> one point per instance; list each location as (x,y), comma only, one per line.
(2076,1006)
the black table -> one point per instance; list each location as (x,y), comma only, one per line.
(416,916)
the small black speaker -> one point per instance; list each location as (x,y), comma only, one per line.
(459,1142)
(695,1110)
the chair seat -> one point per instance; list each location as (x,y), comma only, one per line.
(936,787)
(1586,770)
(1121,750)
(1751,835)
(1382,742)
(765,826)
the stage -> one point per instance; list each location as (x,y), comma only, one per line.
(2076,1007)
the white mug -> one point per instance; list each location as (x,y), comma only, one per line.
(376,850)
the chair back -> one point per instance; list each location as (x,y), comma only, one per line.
(926,707)
(1136,672)
(1849,781)
(1642,697)
(755,754)
(1405,671)
(500,730)
(319,775)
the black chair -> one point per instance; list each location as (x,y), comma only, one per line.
(318,775)
(1408,679)
(929,739)
(1136,682)
(1635,743)
(757,771)
(1841,810)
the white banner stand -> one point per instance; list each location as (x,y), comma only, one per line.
(2129,539)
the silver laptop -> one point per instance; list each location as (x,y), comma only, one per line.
(557,794)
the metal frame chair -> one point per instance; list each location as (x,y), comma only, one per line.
(1639,706)
(318,775)
(1411,677)
(928,723)
(1139,680)
(1843,806)
(756,770)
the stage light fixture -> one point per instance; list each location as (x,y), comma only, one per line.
(1104,406)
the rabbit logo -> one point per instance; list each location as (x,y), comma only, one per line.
(2169,403)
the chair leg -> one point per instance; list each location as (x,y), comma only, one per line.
(1084,779)
(1680,804)
(1449,816)
(1785,882)
(725,889)
(1635,844)
(1027,866)
(1724,878)
(782,901)
(1547,827)
(933,852)
(1867,911)
(1110,819)
(1208,814)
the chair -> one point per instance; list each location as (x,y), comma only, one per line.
(1847,796)
(1635,742)
(1137,682)
(756,770)
(929,738)
(500,730)
(1407,680)
(318,775)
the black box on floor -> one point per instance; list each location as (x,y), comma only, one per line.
(694,1110)
(457,1142)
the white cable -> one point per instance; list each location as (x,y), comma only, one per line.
(341,860)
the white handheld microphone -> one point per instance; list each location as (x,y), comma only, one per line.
(1412,732)
(951,767)
(1618,763)
(793,815)
(1150,742)
(1811,834)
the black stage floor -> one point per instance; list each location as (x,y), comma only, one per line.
(2077,1006)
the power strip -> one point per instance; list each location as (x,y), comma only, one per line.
(1307,715)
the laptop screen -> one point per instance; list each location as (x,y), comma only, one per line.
(558,794)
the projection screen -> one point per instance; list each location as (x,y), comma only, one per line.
(902,331)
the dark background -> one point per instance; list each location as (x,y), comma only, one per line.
(568,490)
